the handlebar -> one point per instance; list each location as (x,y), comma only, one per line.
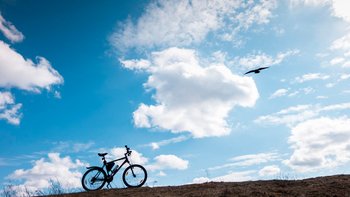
(128,151)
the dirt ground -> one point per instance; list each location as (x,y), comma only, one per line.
(332,186)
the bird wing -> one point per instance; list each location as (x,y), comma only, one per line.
(262,68)
(251,71)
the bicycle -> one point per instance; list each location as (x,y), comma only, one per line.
(96,177)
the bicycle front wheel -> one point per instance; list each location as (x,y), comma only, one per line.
(94,179)
(134,176)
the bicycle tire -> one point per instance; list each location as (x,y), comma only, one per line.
(98,172)
(141,173)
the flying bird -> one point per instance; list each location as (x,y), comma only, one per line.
(256,71)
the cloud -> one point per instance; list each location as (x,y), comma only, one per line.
(288,116)
(56,168)
(9,110)
(21,73)
(71,147)
(161,173)
(339,8)
(296,114)
(260,59)
(269,170)
(244,161)
(181,23)
(135,157)
(310,2)
(230,177)
(319,143)
(33,77)
(157,145)
(321,97)
(341,45)
(10,31)
(259,13)
(199,180)
(344,77)
(337,60)
(168,162)
(190,97)
(134,64)
(254,159)
(311,76)
(248,160)
(279,93)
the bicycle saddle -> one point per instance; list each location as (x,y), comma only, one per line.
(102,154)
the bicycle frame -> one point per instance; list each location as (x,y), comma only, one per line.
(114,170)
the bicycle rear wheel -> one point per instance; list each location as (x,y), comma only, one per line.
(134,176)
(94,179)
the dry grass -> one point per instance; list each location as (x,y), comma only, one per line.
(332,186)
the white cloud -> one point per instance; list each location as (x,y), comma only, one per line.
(311,76)
(200,180)
(308,90)
(184,22)
(10,31)
(279,31)
(330,85)
(168,162)
(321,97)
(56,168)
(9,110)
(248,160)
(190,97)
(254,159)
(309,2)
(219,56)
(294,93)
(337,60)
(230,177)
(344,77)
(341,45)
(71,147)
(259,59)
(21,73)
(279,93)
(259,13)
(296,114)
(157,145)
(339,8)
(161,173)
(288,116)
(269,170)
(136,157)
(135,64)
(236,176)
(57,94)
(33,77)
(319,143)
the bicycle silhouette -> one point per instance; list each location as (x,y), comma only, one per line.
(96,177)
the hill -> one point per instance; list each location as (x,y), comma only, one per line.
(333,186)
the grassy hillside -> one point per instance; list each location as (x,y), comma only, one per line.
(334,186)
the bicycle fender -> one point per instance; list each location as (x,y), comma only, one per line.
(94,167)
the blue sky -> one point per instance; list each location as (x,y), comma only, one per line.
(166,78)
